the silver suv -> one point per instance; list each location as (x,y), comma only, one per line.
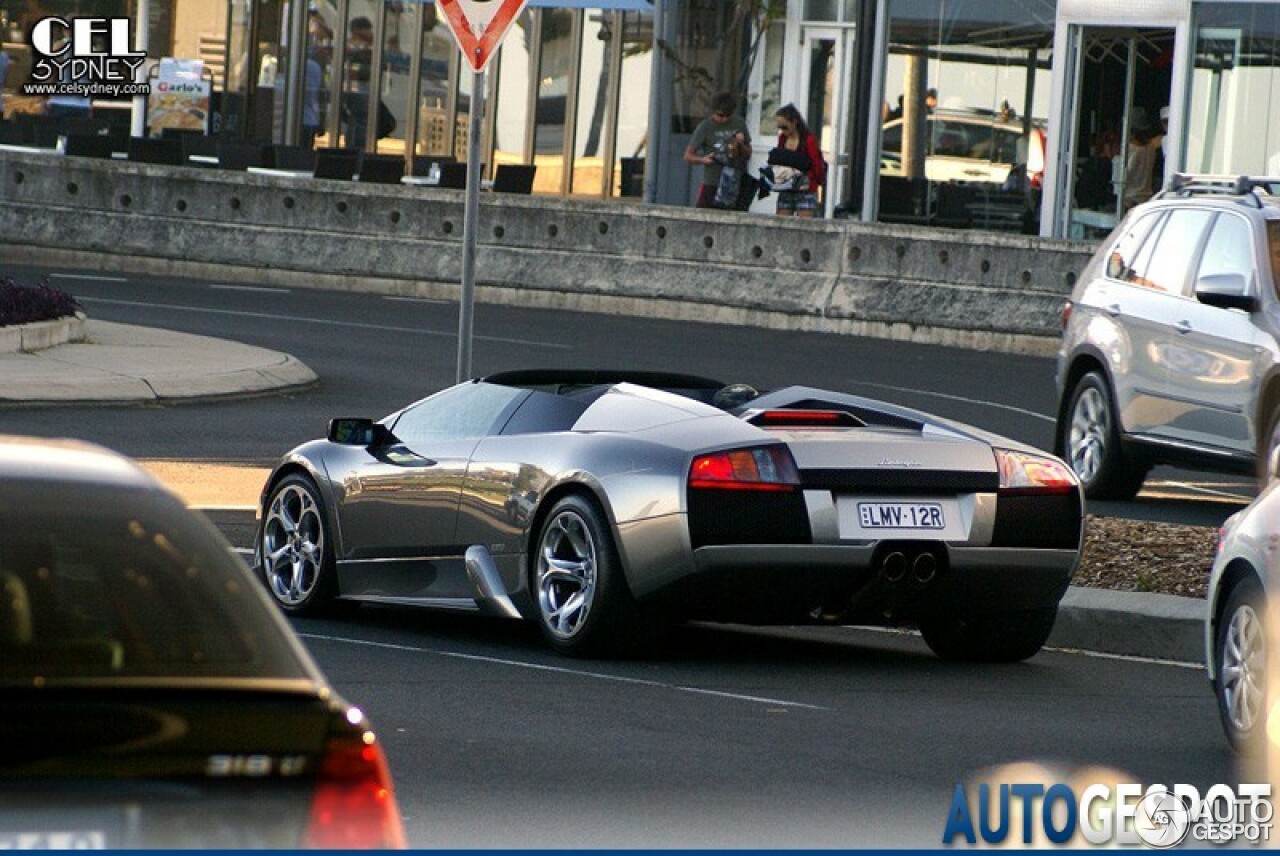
(1171,344)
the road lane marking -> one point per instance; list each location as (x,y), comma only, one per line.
(452,334)
(261,289)
(1194,488)
(538,667)
(1127,658)
(395,298)
(88,276)
(916,391)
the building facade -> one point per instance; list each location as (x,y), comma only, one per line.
(1044,116)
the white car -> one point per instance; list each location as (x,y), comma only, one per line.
(1240,616)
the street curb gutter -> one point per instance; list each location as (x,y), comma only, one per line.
(1158,626)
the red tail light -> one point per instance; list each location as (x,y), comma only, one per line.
(1021,473)
(765,468)
(1066,313)
(355,805)
(806,419)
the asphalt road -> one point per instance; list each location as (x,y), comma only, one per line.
(733,737)
(376,353)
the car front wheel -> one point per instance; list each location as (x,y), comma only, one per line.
(1090,442)
(1006,637)
(1240,653)
(297,558)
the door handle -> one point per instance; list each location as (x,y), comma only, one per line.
(1113,310)
(1183,327)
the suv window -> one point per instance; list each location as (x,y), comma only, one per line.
(1230,248)
(1172,257)
(1124,254)
(1273,250)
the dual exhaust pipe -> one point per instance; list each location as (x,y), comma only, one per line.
(921,565)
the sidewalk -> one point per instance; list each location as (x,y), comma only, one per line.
(122,364)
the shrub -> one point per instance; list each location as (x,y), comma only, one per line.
(22,304)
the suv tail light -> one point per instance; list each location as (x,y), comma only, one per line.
(1067,306)
(354,807)
(767,468)
(1022,473)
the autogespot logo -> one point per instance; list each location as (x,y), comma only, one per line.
(1157,816)
(84,56)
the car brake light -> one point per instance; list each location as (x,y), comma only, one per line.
(354,805)
(768,468)
(806,419)
(1021,473)
(1067,306)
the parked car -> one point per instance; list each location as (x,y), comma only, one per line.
(1169,351)
(151,695)
(970,146)
(602,505)
(1239,646)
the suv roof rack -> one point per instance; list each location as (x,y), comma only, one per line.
(1191,184)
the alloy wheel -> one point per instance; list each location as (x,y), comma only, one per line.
(292,544)
(1243,669)
(1090,429)
(566,574)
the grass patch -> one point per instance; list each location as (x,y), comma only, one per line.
(24,304)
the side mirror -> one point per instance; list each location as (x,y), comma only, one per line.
(358,432)
(1226,291)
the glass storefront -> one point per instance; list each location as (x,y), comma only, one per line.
(1233,117)
(965,110)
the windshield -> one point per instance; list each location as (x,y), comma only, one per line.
(125,583)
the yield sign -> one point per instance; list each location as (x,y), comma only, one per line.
(479,25)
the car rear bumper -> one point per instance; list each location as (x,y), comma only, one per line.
(756,582)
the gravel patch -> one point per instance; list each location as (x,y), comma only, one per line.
(1138,555)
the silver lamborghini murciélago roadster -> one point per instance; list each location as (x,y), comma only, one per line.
(605,505)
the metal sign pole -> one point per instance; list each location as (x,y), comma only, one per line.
(470,224)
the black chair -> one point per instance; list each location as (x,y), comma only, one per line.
(90,145)
(380,169)
(83,125)
(241,155)
(422,165)
(340,164)
(298,158)
(157,151)
(453,176)
(204,149)
(514,178)
(11,134)
(45,133)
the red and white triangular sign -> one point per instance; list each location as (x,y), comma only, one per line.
(479,26)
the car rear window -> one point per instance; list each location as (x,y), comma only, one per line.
(126,583)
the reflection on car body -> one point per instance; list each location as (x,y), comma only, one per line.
(603,505)
(151,696)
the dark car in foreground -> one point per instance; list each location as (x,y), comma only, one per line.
(604,505)
(151,696)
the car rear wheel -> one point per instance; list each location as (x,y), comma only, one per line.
(297,558)
(584,605)
(1240,652)
(1006,637)
(1090,442)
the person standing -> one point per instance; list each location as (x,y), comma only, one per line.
(4,73)
(797,150)
(1140,159)
(709,145)
(358,74)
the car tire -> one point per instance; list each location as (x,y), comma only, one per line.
(1240,660)
(295,550)
(1006,637)
(1089,436)
(584,606)
(1267,442)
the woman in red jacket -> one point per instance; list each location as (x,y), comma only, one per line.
(798,149)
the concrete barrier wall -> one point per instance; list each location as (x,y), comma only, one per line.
(953,287)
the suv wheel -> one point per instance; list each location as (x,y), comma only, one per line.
(1090,440)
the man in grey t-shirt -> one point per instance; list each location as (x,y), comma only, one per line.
(712,137)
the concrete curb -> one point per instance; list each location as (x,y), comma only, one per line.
(121,364)
(1158,626)
(39,335)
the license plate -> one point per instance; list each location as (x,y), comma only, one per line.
(901,515)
